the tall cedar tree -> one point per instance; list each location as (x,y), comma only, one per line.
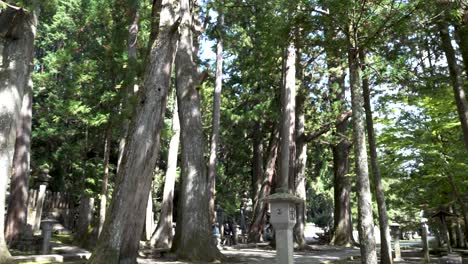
(17,33)
(216,118)
(365,215)
(120,236)
(193,239)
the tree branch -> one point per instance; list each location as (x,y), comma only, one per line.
(326,127)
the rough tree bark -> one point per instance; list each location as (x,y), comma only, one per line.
(300,172)
(17,33)
(301,148)
(105,179)
(216,118)
(461,30)
(342,224)
(193,239)
(162,237)
(119,238)
(288,146)
(17,207)
(385,245)
(365,215)
(131,88)
(455,77)
(260,206)
(257,162)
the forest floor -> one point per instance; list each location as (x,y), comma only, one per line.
(319,254)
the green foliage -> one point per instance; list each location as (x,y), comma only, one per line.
(82,74)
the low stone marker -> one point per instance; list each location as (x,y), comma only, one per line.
(47,225)
(425,241)
(395,232)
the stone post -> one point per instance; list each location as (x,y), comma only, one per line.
(283,219)
(47,225)
(425,242)
(85,215)
(395,228)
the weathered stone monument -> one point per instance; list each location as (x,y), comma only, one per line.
(395,232)
(43,180)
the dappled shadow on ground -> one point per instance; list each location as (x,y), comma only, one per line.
(256,255)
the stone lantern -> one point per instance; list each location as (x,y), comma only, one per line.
(283,218)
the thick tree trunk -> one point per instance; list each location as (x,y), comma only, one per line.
(105,179)
(365,215)
(455,77)
(342,224)
(131,88)
(257,162)
(260,206)
(17,33)
(288,145)
(462,34)
(193,240)
(301,148)
(162,237)
(216,118)
(17,207)
(385,245)
(120,236)
(343,228)
(301,160)
(463,206)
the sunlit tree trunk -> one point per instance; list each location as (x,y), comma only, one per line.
(17,207)
(365,215)
(216,118)
(343,229)
(120,236)
(105,179)
(17,33)
(301,148)
(193,239)
(385,245)
(455,77)
(288,145)
(162,237)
